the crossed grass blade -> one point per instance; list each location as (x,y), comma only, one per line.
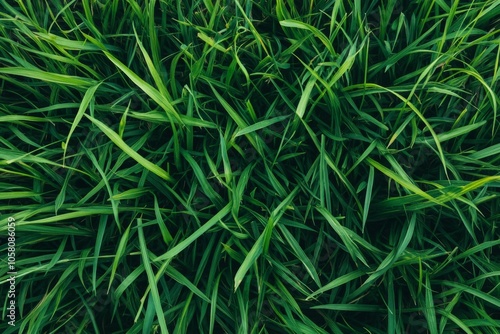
(208,96)
(115,138)
(151,279)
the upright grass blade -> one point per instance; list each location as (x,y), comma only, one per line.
(369,189)
(250,260)
(151,278)
(89,95)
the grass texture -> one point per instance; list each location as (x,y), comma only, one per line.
(219,166)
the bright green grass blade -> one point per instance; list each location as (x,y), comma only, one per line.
(403,182)
(259,125)
(57,255)
(149,315)
(167,236)
(87,98)
(199,232)
(210,41)
(301,255)
(130,194)
(304,98)
(151,278)
(274,219)
(123,122)
(213,304)
(239,192)
(145,87)
(337,282)
(230,110)
(120,251)
(179,277)
(348,63)
(114,204)
(212,195)
(316,32)
(228,174)
(419,114)
(429,310)
(491,95)
(97,249)
(249,23)
(17,194)
(349,307)
(368,196)
(23,118)
(486,152)
(475,292)
(154,73)
(391,305)
(324,190)
(396,253)
(128,281)
(344,234)
(250,260)
(442,137)
(115,138)
(68,44)
(62,79)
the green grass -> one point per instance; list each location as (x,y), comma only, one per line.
(224,166)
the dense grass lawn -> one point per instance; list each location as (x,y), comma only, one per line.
(237,166)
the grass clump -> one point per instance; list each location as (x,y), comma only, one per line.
(251,166)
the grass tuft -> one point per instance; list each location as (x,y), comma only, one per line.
(250,166)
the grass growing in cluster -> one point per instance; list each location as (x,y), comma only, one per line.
(224,166)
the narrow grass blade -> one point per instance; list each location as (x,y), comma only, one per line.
(115,138)
(337,282)
(368,196)
(151,278)
(199,232)
(250,260)
(343,233)
(152,92)
(87,98)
